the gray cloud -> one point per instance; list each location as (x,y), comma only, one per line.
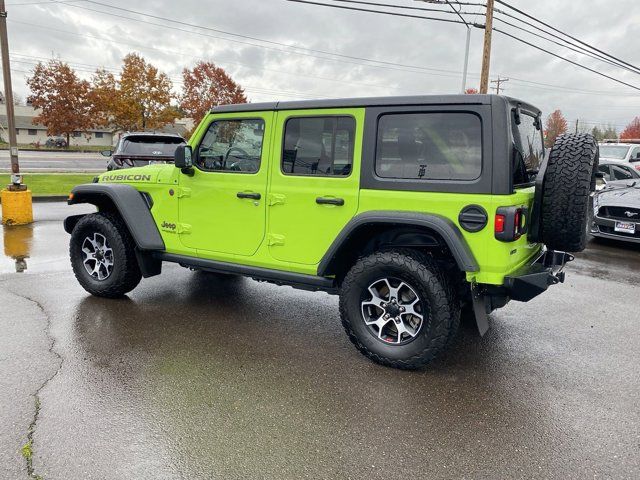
(88,39)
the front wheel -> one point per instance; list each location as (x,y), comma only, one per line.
(103,257)
(398,308)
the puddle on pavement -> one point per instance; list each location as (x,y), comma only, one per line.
(42,246)
(17,241)
(36,248)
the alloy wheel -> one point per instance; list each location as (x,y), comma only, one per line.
(392,311)
(98,256)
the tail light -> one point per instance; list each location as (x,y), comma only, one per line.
(510,223)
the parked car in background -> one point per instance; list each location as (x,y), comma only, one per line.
(140,149)
(621,152)
(57,142)
(616,211)
(614,171)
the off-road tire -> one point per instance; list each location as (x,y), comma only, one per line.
(568,182)
(441,314)
(125,275)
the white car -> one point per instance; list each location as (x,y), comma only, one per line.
(621,152)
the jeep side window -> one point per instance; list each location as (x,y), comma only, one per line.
(232,146)
(528,149)
(433,146)
(321,146)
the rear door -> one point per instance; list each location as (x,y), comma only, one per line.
(315,177)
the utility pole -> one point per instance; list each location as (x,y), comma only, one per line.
(577,121)
(499,81)
(486,52)
(8,97)
(16,199)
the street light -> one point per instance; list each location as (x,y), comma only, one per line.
(468,42)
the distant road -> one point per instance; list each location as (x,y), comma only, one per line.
(42,162)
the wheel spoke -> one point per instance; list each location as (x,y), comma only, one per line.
(375,298)
(402,328)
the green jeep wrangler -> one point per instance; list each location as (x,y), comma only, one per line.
(414,210)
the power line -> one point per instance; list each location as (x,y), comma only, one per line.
(358,9)
(387,65)
(566,59)
(400,7)
(495,29)
(568,45)
(383,64)
(566,34)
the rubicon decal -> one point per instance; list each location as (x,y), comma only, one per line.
(127,178)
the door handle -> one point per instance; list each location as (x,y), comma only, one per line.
(251,195)
(330,201)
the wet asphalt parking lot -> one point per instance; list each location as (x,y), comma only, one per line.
(196,378)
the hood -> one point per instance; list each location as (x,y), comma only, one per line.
(621,193)
(146,174)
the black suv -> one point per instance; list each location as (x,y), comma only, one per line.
(140,149)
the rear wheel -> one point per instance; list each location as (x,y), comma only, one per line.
(103,257)
(568,183)
(398,308)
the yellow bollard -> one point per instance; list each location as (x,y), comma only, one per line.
(16,207)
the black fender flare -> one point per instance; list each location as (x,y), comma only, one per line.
(129,203)
(444,227)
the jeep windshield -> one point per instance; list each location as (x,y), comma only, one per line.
(615,152)
(149,146)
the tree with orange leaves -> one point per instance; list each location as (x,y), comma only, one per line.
(632,131)
(471,91)
(61,98)
(555,126)
(206,86)
(139,100)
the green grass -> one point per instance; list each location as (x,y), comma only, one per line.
(50,183)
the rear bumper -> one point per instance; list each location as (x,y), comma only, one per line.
(533,279)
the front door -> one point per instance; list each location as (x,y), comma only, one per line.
(222,206)
(314,183)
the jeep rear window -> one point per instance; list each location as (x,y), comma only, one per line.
(430,146)
(149,145)
(320,146)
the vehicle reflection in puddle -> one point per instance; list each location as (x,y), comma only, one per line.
(17,241)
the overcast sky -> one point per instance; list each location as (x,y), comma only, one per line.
(87,39)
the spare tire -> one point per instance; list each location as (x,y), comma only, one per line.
(568,182)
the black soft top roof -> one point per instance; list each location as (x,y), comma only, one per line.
(375,102)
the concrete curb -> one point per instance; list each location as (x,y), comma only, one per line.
(49,198)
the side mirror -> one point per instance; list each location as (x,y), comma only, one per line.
(183,157)
(106,153)
(635,159)
(601,180)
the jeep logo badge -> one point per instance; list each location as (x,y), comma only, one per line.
(630,214)
(170,226)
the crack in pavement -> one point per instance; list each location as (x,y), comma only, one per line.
(27,449)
